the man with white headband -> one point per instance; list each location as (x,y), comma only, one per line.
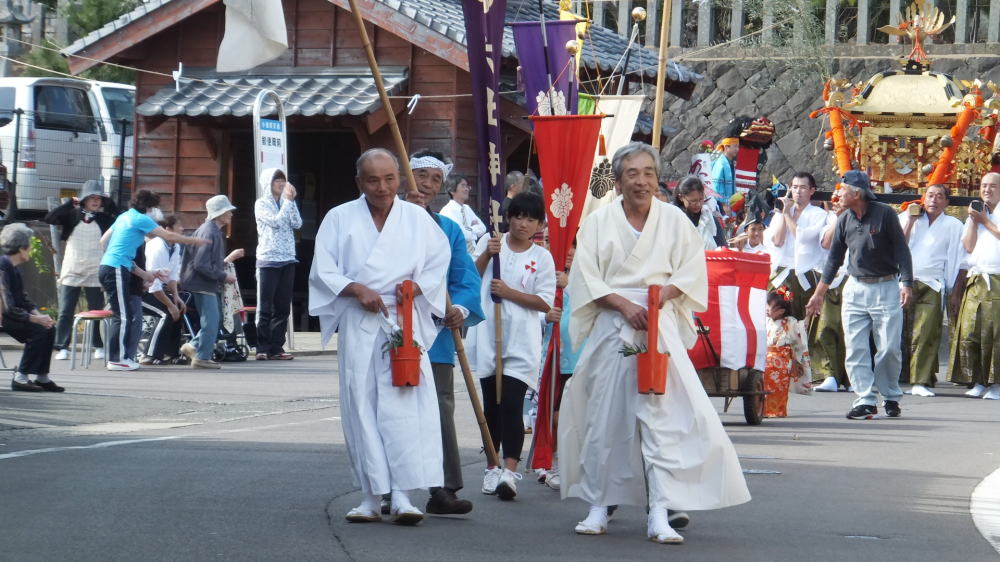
(430,171)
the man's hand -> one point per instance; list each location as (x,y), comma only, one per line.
(954,303)
(369,299)
(498,288)
(174,312)
(562,279)
(43,320)
(399,291)
(289,192)
(230,278)
(161,274)
(453,319)
(668,292)
(493,247)
(180,304)
(553,315)
(788,207)
(978,217)
(814,305)
(234,255)
(905,296)
(635,315)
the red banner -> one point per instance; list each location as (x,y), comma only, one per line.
(566,145)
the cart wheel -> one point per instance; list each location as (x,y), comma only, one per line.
(753,405)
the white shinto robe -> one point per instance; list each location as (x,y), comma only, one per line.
(393,434)
(531,271)
(607,430)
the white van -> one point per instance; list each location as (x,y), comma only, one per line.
(67,130)
(115,103)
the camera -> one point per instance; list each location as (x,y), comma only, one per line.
(977,205)
(915,209)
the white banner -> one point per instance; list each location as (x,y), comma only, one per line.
(255,33)
(617,132)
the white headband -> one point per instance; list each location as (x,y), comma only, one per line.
(431,162)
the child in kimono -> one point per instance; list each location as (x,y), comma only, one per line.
(525,289)
(787,354)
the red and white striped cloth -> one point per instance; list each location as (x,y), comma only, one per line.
(737,311)
(745,169)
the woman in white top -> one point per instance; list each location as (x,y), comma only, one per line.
(462,214)
(162,300)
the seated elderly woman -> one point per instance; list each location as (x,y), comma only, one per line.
(21,318)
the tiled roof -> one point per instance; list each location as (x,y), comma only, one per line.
(331,92)
(445,17)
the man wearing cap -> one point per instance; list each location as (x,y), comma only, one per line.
(21,318)
(879,288)
(975,353)
(202,274)
(793,240)
(935,241)
(83,221)
(430,171)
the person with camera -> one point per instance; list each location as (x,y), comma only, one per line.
(82,222)
(935,241)
(879,288)
(975,355)
(794,241)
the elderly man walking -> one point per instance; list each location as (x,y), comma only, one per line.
(614,443)
(879,288)
(365,250)
(975,349)
(277,219)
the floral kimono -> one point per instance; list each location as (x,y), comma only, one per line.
(787,361)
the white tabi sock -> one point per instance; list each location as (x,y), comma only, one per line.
(21,378)
(400,501)
(371,502)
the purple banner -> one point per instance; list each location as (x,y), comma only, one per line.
(484,21)
(528,40)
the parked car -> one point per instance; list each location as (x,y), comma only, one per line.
(68,135)
(115,103)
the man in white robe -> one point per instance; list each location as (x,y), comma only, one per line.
(935,241)
(365,249)
(608,432)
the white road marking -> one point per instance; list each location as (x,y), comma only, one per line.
(985,508)
(106,444)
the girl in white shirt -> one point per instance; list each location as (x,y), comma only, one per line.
(526,289)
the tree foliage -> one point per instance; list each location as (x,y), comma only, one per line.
(82,17)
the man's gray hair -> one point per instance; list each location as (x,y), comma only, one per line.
(366,155)
(857,190)
(14,237)
(514,177)
(628,151)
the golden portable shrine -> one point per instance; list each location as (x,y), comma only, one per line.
(914,127)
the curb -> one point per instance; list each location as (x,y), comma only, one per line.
(299,353)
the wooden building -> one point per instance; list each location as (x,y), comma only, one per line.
(193,138)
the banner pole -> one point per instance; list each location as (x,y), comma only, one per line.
(404,157)
(661,74)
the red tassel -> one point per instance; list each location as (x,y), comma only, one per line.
(604,149)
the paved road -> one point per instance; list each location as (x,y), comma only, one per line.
(249,464)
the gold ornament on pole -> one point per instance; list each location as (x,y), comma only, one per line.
(638,14)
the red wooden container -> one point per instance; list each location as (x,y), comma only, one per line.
(652,372)
(405,360)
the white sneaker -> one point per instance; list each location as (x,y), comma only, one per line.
(98,353)
(596,522)
(993,393)
(921,390)
(189,351)
(541,474)
(976,391)
(133,363)
(63,355)
(122,366)
(507,488)
(829,385)
(659,530)
(552,479)
(491,478)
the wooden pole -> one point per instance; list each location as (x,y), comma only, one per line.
(498,342)
(404,157)
(661,74)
